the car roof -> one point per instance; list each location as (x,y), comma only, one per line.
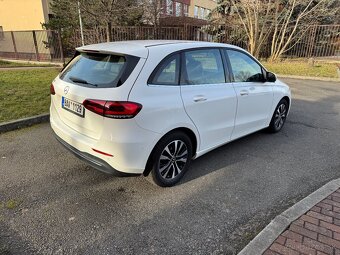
(139,47)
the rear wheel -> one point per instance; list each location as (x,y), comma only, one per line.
(171,158)
(279,116)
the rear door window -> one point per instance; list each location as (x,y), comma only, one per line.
(203,66)
(99,70)
(167,72)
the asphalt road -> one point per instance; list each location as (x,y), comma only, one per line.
(52,203)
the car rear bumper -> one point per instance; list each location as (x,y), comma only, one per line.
(91,160)
(127,145)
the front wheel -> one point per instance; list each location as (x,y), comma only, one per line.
(171,158)
(279,116)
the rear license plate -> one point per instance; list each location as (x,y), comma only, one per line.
(72,106)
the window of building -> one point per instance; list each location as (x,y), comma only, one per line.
(169,7)
(207,13)
(2,34)
(196,11)
(186,10)
(178,9)
(202,13)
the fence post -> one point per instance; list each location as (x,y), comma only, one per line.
(61,46)
(185,31)
(225,39)
(14,46)
(36,45)
(311,41)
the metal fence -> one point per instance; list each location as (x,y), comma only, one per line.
(319,41)
(123,33)
(41,45)
(46,45)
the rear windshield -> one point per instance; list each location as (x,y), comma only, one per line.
(99,70)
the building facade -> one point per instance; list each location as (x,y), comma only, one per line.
(199,9)
(17,14)
(23,15)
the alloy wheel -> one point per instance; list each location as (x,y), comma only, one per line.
(173,159)
(280,116)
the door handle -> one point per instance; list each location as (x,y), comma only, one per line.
(244,92)
(200,98)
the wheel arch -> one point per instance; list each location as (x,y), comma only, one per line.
(288,100)
(186,131)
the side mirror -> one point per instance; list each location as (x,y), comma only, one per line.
(271,77)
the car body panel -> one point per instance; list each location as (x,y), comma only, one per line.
(214,117)
(92,124)
(124,139)
(254,107)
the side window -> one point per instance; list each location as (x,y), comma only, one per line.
(203,67)
(167,72)
(244,68)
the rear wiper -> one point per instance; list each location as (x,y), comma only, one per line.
(78,80)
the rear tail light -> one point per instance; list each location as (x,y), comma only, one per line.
(121,110)
(52,91)
(113,109)
(96,106)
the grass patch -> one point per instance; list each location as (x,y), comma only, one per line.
(6,64)
(301,68)
(12,204)
(25,93)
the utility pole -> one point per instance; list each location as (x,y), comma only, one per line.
(81,25)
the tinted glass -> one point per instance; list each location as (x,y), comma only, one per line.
(203,67)
(167,73)
(99,70)
(245,69)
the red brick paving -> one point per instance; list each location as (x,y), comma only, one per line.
(316,233)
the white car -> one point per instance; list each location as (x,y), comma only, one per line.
(140,107)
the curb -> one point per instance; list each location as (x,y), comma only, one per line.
(21,123)
(32,61)
(279,224)
(2,69)
(308,78)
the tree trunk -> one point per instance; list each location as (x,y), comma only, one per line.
(109,32)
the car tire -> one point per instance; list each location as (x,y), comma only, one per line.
(171,158)
(279,116)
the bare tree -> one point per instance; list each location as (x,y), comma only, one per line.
(291,23)
(152,10)
(97,15)
(112,12)
(283,22)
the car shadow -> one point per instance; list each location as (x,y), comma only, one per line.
(305,116)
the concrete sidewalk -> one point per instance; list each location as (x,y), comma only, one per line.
(316,232)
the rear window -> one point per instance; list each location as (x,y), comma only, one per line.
(99,70)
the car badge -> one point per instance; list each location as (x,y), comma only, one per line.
(66,89)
